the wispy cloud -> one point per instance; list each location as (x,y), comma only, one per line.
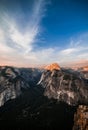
(30,31)
(68,51)
(64,56)
(16,39)
(77,50)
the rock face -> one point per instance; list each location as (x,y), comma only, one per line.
(14,80)
(52,67)
(81,118)
(9,84)
(85,74)
(84,71)
(45,99)
(67,86)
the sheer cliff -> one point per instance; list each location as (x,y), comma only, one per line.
(14,80)
(65,85)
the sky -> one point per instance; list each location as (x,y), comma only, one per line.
(40,32)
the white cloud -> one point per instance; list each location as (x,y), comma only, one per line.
(14,42)
(68,51)
(22,40)
(30,31)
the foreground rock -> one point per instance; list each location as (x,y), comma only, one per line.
(81,118)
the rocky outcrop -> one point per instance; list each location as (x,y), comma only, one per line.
(81,118)
(9,84)
(65,85)
(14,80)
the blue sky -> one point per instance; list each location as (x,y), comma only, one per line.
(39,32)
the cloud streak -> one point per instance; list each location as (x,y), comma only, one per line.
(67,56)
(16,39)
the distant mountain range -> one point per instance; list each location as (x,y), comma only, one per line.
(28,94)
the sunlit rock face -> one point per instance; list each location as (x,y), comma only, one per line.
(65,86)
(52,67)
(81,118)
(85,68)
